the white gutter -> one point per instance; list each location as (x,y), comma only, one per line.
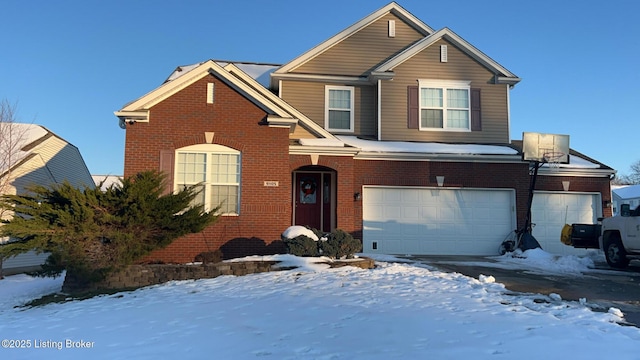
(322,150)
(438,157)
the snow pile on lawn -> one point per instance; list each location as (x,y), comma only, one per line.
(538,260)
(395,311)
(20,289)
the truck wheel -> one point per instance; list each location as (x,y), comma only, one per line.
(615,253)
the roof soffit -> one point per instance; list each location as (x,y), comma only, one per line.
(392,7)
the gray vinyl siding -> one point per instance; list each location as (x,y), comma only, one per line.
(31,172)
(427,65)
(308,97)
(65,162)
(52,161)
(28,261)
(362,51)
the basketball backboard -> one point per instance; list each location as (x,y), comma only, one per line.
(545,148)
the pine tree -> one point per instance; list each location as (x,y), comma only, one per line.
(90,232)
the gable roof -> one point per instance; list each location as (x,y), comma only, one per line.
(502,74)
(281,113)
(37,148)
(385,70)
(259,71)
(25,138)
(392,7)
(627,192)
(138,110)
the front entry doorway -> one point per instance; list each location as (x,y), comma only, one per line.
(314,199)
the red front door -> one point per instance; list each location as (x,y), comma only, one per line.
(313,200)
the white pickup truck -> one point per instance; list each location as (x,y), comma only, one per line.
(617,236)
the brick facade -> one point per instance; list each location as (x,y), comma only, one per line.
(265,211)
(469,175)
(236,122)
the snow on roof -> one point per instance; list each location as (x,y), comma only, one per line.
(321,142)
(577,162)
(628,192)
(426,147)
(23,134)
(108,180)
(443,148)
(258,71)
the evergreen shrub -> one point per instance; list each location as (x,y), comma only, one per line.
(301,246)
(91,233)
(339,245)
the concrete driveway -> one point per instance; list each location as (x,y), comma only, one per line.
(603,286)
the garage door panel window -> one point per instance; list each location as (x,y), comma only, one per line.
(216,171)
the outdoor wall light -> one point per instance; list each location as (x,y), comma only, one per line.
(565,185)
(357,196)
(440,180)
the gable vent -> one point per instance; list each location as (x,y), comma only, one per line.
(210,93)
(443,53)
(392,28)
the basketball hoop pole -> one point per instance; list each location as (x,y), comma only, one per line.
(527,241)
(532,187)
(546,158)
(538,149)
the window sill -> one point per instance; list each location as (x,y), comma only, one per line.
(447,130)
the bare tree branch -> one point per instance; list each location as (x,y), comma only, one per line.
(12,138)
(633,178)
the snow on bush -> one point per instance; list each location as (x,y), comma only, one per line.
(293,232)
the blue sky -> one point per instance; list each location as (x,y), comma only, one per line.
(69,64)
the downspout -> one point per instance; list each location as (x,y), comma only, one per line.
(509,112)
(379,109)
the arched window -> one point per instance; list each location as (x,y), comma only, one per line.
(216,170)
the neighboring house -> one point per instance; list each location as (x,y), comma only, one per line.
(106,180)
(390,130)
(625,194)
(42,158)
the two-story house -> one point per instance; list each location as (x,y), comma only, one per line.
(390,130)
(31,154)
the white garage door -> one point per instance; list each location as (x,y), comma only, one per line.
(551,210)
(408,220)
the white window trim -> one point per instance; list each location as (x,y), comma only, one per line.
(351,90)
(444,85)
(210,149)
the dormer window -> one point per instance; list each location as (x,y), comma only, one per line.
(339,110)
(445,105)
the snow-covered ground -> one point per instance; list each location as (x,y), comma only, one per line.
(396,311)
